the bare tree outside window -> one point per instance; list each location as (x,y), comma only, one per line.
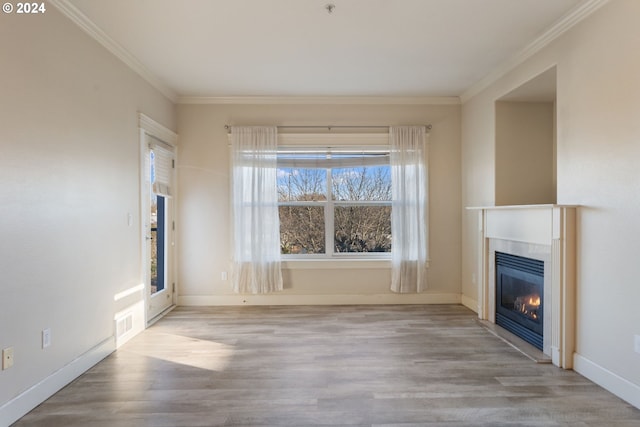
(362,227)
(302,226)
(358,210)
(297,184)
(371,183)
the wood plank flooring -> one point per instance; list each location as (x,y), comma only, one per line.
(325,366)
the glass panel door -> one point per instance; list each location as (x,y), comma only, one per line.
(158,230)
(158,241)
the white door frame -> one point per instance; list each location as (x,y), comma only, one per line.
(149,127)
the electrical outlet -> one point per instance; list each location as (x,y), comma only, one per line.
(636,343)
(46,338)
(224,276)
(7,358)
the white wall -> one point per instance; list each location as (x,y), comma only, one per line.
(598,153)
(204,247)
(69,174)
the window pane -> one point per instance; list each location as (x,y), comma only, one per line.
(361,183)
(298,184)
(362,229)
(302,230)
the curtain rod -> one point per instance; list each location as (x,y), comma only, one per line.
(329,127)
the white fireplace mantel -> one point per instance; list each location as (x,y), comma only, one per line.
(546,233)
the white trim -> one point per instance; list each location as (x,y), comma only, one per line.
(155,129)
(547,235)
(86,24)
(617,385)
(471,304)
(20,405)
(161,314)
(330,139)
(144,219)
(321,100)
(345,299)
(565,23)
(519,207)
(149,127)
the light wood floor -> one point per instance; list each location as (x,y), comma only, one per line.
(343,365)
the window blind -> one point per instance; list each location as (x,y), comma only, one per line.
(313,158)
(163,165)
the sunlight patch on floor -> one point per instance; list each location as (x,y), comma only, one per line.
(202,354)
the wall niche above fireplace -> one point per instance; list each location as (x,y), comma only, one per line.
(525,171)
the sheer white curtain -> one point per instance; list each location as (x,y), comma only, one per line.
(409,218)
(255,210)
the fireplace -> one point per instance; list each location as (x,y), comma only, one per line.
(519,296)
(546,233)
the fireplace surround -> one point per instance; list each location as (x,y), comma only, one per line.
(545,233)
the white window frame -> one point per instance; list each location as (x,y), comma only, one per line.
(375,142)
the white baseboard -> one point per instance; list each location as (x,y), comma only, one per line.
(471,304)
(617,385)
(20,405)
(284,299)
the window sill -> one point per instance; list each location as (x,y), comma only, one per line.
(335,264)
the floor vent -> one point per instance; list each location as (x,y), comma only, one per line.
(124,325)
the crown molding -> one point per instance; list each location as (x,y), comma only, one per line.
(559,28)
(86,24)
(323,100)
(556,30)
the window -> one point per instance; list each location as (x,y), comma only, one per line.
(334,202)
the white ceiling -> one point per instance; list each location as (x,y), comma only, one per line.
(223,48)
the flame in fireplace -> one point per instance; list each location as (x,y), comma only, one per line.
(528,305)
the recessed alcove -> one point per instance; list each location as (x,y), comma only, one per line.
(525,133)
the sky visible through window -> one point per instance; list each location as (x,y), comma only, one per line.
(352,183)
